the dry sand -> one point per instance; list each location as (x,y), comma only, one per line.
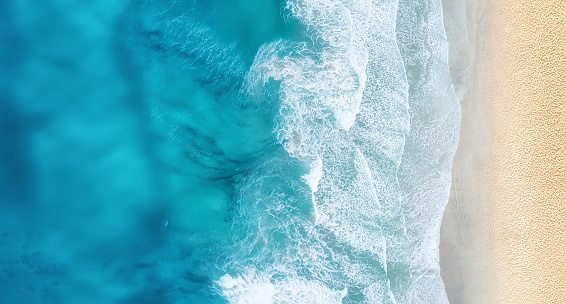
(503,238)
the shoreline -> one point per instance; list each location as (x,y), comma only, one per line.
(464,262)
(503,236)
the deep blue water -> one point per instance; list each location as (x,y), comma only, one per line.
(223,151)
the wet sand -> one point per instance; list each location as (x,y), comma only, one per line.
(503,238)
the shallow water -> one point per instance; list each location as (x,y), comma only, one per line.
(227,151)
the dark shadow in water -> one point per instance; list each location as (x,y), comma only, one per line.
(16,166)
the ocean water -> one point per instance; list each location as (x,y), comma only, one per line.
(224,151)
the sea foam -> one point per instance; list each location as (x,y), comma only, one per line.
(350,98)
(331,149)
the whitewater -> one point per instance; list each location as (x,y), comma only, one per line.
(334,145)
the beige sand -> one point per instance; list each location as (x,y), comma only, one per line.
(504,233)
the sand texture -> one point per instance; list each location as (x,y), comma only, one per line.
(528,188)
(508,204)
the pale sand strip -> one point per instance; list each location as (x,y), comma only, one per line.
(463,239)
(508,205)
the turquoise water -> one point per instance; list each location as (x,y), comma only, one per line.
(224,151)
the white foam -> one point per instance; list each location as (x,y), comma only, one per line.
(248,288)
(320,93)
(424,174)
(312,179)
(304,291)
(256,288)
(356,160)
(321,89)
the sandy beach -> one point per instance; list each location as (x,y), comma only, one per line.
(503,237)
